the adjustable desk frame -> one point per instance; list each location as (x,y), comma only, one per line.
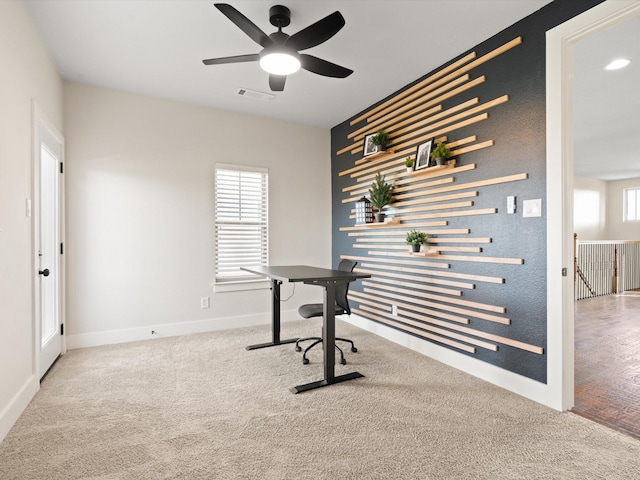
(275,319)
(328,279)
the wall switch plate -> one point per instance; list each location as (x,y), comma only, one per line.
(394,310)
(204,302)
(532,208)
(511,204)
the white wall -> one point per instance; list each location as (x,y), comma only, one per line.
(617,229)
(598,210)
(139,185)
(590,208)
(28,74)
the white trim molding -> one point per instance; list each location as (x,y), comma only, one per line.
(17,405)
(513,382)
(150,332)
(560,296)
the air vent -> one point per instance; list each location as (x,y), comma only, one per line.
(254,94)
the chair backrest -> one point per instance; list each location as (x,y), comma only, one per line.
(343,289)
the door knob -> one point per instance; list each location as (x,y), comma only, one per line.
(44,272)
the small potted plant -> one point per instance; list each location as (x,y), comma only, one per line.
(380,195)
(415,239)
(380,140)
(408,162)
(440,153)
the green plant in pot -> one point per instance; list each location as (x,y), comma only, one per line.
(380,140)
(440,153)
(408,162)
(416,239)
(380,195)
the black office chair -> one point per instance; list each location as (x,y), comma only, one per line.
(311,310)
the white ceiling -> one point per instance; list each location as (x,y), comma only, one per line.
(156,48)
(607,104)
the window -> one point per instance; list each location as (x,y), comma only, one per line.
(241,223)
(631,204)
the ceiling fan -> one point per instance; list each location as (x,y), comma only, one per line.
(279,56)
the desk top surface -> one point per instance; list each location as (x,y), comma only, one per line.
(303,273)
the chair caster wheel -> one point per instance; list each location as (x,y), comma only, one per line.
(343,362)
(354,349)
(298,349)
(305,361)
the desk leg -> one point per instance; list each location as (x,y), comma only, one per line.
(329,332)
(329,345)
(275,319)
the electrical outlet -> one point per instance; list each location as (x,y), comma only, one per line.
(204,302)
(394,310)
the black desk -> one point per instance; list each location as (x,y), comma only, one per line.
(311,276)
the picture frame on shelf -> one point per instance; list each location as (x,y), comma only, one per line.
(422,155)
(369,147)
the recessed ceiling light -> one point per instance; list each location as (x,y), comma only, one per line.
(618,64)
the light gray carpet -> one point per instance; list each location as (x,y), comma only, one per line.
(202,407)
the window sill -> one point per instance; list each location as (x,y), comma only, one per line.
(241,285)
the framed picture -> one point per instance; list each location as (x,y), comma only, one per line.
(369,146)
(422,155)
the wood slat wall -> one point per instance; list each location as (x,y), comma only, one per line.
(428,289)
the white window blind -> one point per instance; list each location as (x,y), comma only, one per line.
(631,204)
(241,209)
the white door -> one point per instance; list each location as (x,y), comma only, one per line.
(49,247)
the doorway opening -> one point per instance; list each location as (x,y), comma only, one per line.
(561,158)
(607,334)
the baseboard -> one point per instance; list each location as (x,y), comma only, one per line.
(17,405)
(525,387)
(109,337)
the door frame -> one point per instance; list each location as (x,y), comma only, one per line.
(560,169)
(40,119)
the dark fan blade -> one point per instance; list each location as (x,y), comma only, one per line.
(244,24)
(315,34)
(276,82)
(254,57)
(322,67)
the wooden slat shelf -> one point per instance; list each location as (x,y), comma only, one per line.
(430,252)
(386,223)
(450,164)
(410,92)
(388,151)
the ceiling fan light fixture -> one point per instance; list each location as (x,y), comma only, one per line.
(618,63)
(279,56)
(279,63)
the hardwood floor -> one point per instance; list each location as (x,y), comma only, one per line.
(607,361)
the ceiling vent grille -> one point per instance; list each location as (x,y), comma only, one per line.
(254,94)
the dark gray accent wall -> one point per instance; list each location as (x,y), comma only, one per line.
(518,130)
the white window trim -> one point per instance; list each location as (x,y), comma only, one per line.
(242,285)
(251,282)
